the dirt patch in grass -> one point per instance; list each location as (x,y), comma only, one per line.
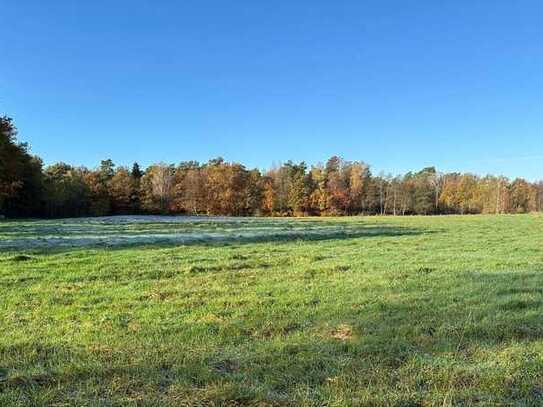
(341,268)
(342,333)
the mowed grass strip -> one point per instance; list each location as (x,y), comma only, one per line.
(421,311)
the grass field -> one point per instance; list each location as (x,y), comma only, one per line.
(414,311)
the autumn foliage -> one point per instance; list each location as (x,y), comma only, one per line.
(218,187)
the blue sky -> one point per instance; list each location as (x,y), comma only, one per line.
(398,84)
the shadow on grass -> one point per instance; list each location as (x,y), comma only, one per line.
(469,337)
(429,336)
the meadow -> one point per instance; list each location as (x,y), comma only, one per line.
(151,311)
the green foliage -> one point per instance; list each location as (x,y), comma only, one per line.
(20,174)
(67,193)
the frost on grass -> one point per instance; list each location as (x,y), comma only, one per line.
(129,230)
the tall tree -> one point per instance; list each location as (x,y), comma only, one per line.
(227,188)
(20,174)
(337,191)
(67,192)
(135,180)
(121,190)
(157,187)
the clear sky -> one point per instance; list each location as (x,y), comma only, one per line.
(399,84)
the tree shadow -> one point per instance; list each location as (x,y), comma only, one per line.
(469,337)
(423,337)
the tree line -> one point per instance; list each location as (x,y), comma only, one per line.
(218,187)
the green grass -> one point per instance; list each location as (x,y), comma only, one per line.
(394,311)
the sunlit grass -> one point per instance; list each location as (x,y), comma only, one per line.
(421,311)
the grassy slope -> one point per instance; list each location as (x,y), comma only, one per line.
(449,314)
